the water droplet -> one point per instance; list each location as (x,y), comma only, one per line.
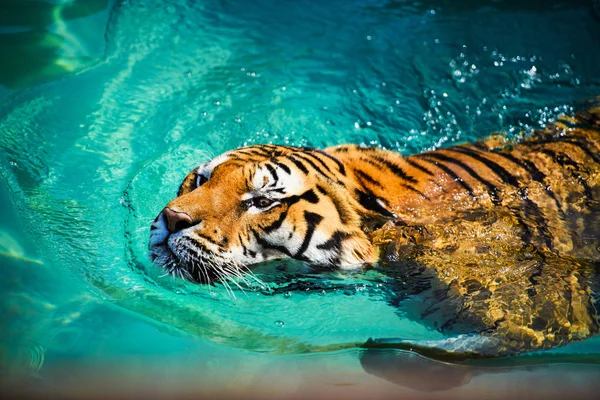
(280,324)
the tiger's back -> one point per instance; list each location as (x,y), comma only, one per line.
(512,232)
(549,183)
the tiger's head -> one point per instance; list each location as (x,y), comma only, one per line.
(261,203)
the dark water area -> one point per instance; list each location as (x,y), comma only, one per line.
(106,105)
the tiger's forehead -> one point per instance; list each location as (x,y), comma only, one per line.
(264,168)
(245,155)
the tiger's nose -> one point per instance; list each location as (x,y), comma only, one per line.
(177,220)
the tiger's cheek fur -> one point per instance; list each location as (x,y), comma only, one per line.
(315,231)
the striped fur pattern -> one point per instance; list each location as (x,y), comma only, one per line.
(493,219)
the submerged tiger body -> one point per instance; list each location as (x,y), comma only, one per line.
(509,231)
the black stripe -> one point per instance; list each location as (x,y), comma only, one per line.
(396,169)
(278,190)
(414,164)
(266,245)
(534,173)
(281,165)
(527,165)
(313,155)
(564,160)
(208,239)
(322,190)
(415,190)
(344,149)
(560,158)
(362,175)
(491,189)
(252,151)
(503,174)
(340,208)
(277,224)
(309,196)
(581,143)
(298,164)
(369,201)
(243,159)
(340,166)
(312,220)
(366,149)
(448,172)
(245,249)
(272,172)
(533,212)
(304,157)
(334,242)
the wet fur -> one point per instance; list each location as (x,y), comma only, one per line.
(510,230)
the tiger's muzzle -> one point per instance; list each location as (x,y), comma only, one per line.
(174,246)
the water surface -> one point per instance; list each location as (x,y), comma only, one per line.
(106,105)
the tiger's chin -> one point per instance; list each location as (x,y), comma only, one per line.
(182,258)
(183,264)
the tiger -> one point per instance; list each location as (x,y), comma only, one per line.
(509,230)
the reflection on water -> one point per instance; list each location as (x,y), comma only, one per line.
(87,161)
(39,41)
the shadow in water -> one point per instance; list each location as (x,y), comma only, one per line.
(414,371)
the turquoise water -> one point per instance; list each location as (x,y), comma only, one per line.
(106,105)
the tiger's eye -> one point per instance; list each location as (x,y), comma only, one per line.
(262,202)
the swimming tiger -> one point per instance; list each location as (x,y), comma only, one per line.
(509,230)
